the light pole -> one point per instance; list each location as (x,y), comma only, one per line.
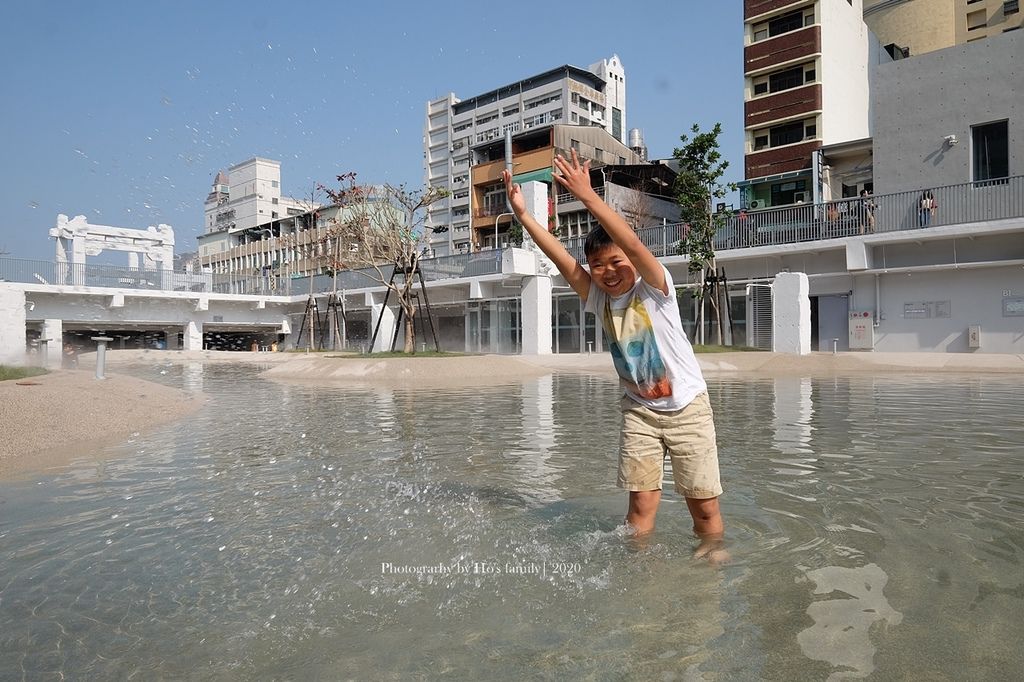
(499,217)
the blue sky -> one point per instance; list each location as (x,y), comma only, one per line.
(125,111)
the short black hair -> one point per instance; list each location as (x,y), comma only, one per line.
(597,239)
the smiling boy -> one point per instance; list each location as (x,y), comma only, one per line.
(665,404)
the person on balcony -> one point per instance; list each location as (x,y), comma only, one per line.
(866,209)
(927,208)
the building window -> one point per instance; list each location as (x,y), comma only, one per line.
(789,192)
(273,200)
(784,24)
(784,80)
(274,183)
(575,144)
(617,123)
(790,133)
(787,133)
(976,20)
(761,87)
(991,152)
(1011,7)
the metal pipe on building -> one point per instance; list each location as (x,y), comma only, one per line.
(508,167)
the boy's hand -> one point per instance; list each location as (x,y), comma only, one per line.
(573,176)
(515,194)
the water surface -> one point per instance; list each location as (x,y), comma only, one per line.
(295,531)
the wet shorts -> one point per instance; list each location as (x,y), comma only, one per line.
(686,435)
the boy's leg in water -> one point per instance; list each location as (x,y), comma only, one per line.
(709,527)
(643,506)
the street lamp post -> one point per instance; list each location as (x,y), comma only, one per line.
(499,217)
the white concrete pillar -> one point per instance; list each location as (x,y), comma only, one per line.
(193,335)
(12,325)
(493,327)
(536,196)
(53,330)
(78,260)
(172,339)
(536,311)
(791,314)
(387,324)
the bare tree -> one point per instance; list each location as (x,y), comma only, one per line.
(638,209)
(378,231)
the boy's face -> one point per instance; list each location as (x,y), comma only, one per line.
(611,270)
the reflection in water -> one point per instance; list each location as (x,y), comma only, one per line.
(538,423)
(301,531)
(840,634)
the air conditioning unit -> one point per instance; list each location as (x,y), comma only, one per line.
(756,203)
(799,197)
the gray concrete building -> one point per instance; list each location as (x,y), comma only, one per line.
(950,116)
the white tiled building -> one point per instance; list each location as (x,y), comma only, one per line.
(249,194)
(567,94)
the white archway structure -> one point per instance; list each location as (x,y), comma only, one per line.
(76,239)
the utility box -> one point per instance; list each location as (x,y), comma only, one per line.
(862,330)
(974,336)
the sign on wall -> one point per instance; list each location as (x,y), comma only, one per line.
(926,310)
(1013,306)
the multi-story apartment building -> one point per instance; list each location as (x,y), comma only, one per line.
(249,194)
(594,97)
(807,71)
(533,154)
(920,26)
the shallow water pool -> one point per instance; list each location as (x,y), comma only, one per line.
(289,531)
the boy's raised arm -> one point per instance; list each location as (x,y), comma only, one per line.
(576,178)
(574,273)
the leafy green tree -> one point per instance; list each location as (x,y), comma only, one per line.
(697,186)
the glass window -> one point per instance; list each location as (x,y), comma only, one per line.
(991,152)
(785,192)
(786,23)
(761,88)
(787,134)
(784,80)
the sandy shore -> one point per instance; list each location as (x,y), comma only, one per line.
(67,414)
(49,420)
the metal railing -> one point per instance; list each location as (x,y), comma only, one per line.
(954,205)
(899,211)
(265,282)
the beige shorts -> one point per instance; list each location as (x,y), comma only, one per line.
(686,435)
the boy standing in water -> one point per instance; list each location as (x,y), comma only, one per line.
(665,403)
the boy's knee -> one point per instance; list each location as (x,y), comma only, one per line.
(644,501)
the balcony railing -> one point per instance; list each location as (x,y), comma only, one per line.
(901,211)
(264,281)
